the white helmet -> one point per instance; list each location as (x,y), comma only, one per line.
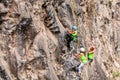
(82,49)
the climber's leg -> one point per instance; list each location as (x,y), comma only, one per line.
(80,67)
(90,61)
(68,44)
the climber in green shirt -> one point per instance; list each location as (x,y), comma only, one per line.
(82,58)
(75,33)
(71,35)
(91,55)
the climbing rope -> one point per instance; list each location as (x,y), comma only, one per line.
(76,21)
(90,7)
(80,32)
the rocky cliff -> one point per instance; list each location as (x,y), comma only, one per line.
(32,39)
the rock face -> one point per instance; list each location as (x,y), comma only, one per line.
(32,39)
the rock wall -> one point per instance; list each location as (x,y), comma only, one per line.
(32,39)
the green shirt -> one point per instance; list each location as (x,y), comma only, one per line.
(90,55)
(83,59)
(74,36)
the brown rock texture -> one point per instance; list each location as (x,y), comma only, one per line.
(32,39)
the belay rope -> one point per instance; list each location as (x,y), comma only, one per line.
(77,21)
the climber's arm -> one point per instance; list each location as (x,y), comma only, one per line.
(77,55)
(91,52)
(72,32)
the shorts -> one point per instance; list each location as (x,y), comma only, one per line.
(90,60)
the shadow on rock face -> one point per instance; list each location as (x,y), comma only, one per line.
(1,19)
(4,2)
(3,74)
(25,24)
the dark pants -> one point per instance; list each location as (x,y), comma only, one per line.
(68,38)
(68,43)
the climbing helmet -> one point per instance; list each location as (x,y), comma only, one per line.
(82,49)
(75,28)
(92,48)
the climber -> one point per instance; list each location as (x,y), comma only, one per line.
(82,58)
(71,35)
(75,33)
(91,55)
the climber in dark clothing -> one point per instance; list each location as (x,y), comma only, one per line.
(71,35)
(68,38)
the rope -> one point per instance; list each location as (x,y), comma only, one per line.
(75,8)
(80,32)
